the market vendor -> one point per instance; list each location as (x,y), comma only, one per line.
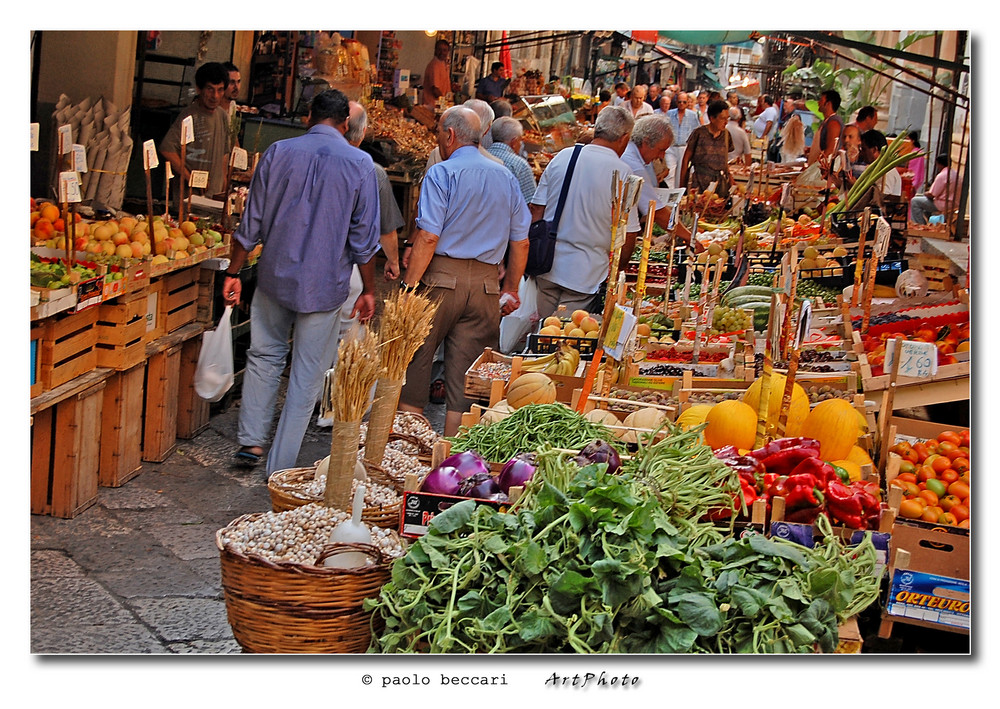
(873,142)
(437,75)
(707,153)
(941,196)
(491,87)
(210,121)
(470,212)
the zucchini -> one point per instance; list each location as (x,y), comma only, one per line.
(745,301)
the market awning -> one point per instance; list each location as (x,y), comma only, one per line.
(710,36)
(671,55)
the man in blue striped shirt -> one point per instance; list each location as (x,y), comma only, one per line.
(683,121)
(507,134)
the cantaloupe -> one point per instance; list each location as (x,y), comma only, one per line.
(531,388)
(731,423)
(646,418)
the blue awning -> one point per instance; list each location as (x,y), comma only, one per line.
(710,36)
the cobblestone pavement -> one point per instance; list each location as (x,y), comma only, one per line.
(139,572)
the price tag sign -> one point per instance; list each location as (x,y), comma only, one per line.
(69,187)
(149,156)
(239,159)
(34,137)
(620,326)
(65,139)
(917,359)
(882,234)
(787,203)
(805,324)
(79,158)
(169,172)
(187,130)
(199,178)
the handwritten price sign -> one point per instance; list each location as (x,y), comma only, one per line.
(917,359)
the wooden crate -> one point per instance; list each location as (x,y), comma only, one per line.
(205,312)
(937,271)
(121,331)
(162,392)
(177,299)
(192,410)
(121,426)
(68,347)
(35,382)
(66,445)
(479,388)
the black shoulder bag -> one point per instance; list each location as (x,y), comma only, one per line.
(542,234)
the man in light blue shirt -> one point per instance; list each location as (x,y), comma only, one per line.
(683,121)
(313,206)
(469,214)
(507,134)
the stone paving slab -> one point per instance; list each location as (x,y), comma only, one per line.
(184,619)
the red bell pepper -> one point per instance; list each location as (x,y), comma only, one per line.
(819,469)
(844,504)
(781,444)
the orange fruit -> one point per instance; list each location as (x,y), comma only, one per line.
(49,211)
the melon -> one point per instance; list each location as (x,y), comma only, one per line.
(531,388)
(834,423)
(797,411)
(731,423)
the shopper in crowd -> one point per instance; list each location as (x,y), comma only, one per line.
(766,124)
(873,143)
(741,141)
(701,107)
(653,96)
(232,89)
(683,121)
(485,113)
(621,93)
(491,87)
(507,141)
(867,118)
(470,212)
(942,195)
(733,99)
(437,75)
(604,100)
(651,137)
(707,153)
(583,238)
(501,107)
(637,102)
(209,151)
(313,206)
(916,166)
(664,106)
(827,139)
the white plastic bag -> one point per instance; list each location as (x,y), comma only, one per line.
(214,374)
(520,322)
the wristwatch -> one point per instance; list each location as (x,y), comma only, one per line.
(233,275)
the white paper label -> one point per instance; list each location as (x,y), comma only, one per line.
(65,139)
(805,324)
(79,158)
(170,172)
(882,233)
(199,178)
(187,130)
(149,157)
(34,136)
(69,187)
(239,159)
(917,359)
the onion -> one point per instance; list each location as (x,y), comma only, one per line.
(480,486)
(601,452)
(443,480)
(516,471)
(467,463)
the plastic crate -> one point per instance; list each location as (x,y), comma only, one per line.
(543,344)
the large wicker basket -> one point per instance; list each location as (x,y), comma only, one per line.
(281,607)
(288,491)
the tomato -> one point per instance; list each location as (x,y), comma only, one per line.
(945,448)
(907,467)
(930,497)
(960,465)
(937,488)
(910,489)
(939,463)
(964,438)
(925,473)
(947,518)
(964,524)
(949,501)
(950,437)
(948,476)
(901,448)
(931,514)
(922,451)
(907,477)
(911,509)
(959,489)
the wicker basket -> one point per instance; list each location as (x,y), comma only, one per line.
(287,490)
(280,607)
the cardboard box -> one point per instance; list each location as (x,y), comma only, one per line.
(419,508)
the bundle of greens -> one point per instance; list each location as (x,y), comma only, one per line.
(588,562)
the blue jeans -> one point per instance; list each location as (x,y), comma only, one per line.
(314,342)
(922,207)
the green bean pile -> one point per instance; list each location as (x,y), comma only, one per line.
(527,428)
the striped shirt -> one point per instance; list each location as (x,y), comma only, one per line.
(518,166)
